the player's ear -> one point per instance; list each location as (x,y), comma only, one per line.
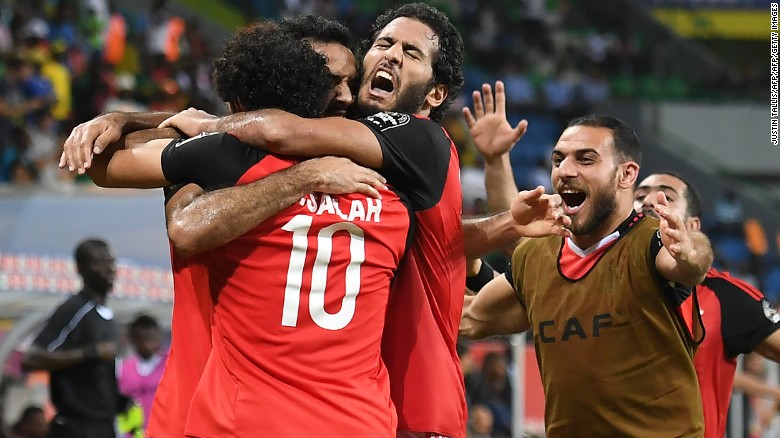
(628,173)
(693,223)
(437,95)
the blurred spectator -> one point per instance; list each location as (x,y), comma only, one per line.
(473,181)
(594,88)
(520,89)
(31,424)
(78,347)
(62,29)
(29,94)
(480,422)
(491,388)
(140,373)
(124,100)
(559,92)
(729,215)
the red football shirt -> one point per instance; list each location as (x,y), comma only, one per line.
(299,316)
(737,318)
(426,298)
(190,347)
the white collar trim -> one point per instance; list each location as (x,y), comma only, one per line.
(600,244)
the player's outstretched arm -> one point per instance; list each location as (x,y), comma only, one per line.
(284,133)
(199,221)
(494,137)
(532,214)
(494,311)
(94,136)
(687,255)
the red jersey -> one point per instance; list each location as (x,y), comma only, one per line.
(427,296)
(737,318)
(299,316)
(190,347)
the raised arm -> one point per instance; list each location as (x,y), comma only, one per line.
(200,221)
(283,133)
(494,137)
(687,254)
(494,311)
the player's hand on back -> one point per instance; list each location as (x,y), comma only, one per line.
(493,135)
(538,214)
(89,138)
(336,175)
(191,122)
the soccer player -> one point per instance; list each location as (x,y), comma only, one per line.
(613,346)
(737,317)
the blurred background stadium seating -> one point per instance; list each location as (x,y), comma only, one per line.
(690,76)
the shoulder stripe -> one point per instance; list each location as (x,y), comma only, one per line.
(717,283)
(71,326)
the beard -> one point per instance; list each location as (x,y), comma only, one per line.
(409,101)
(603,203)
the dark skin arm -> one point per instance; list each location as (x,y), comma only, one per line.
(283,133)
(38,358)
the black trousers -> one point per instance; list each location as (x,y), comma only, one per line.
(74,427)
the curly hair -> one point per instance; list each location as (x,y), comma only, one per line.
(448,61)
(316,28)
(263,67)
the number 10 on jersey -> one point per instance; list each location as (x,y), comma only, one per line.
(300,226)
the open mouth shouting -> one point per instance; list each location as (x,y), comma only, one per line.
(573,200)
(382,84)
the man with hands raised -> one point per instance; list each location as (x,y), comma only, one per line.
(613,342)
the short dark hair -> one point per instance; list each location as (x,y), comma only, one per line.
(27,414)
(447,61)
(263,67)
(317,28)
(85,250)
(626,142)
(143,322)
(692,197)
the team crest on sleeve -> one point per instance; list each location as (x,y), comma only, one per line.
(769,311)
(388,120)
